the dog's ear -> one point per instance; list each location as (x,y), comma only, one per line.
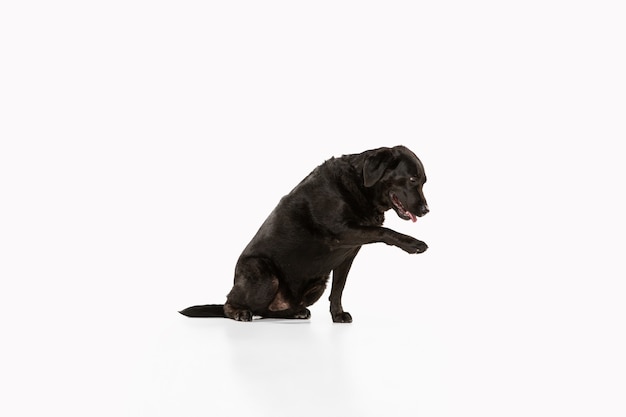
(375,166)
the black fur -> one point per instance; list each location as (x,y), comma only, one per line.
(319,227)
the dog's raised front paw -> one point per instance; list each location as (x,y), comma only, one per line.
(420,247)
(411,245)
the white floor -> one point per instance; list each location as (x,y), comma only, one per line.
(442,344)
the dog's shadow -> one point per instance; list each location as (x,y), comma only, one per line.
(291,362)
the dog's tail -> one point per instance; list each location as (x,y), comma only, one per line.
(208,310)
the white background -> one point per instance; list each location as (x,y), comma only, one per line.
(143,143)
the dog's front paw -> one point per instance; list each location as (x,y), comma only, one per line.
(420,247)
(411,245)
(342,317)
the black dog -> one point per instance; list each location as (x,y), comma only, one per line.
(319,227)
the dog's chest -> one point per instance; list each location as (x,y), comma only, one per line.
(313,260)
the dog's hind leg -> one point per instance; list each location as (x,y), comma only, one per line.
(284,307)
(254,289)
(300,313)
(289,306)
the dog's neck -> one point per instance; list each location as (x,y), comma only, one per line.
(368,198)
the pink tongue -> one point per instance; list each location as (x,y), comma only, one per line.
(411,215)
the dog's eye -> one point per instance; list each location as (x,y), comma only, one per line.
(413,180)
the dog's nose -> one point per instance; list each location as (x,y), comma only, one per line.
(423,210)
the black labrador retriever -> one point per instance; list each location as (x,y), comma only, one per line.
(319,227)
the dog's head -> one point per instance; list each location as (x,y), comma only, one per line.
(398,176)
